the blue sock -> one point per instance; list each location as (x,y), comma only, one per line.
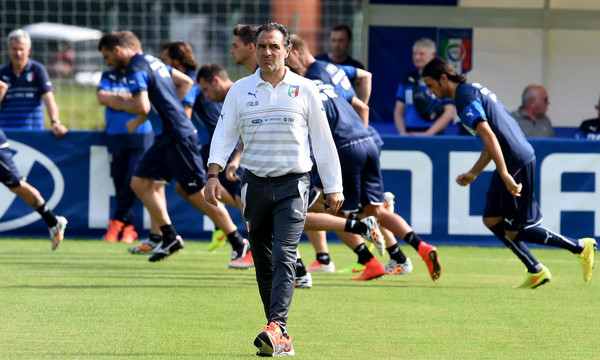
(542,236)
(518,248)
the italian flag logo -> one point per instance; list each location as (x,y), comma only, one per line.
(293,91)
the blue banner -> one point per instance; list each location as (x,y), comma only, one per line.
(73,176)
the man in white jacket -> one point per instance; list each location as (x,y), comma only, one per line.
(274,111)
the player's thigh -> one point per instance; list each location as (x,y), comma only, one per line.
(9,174)
(185,164)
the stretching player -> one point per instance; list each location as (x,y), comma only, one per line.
(175,149)
(347,129)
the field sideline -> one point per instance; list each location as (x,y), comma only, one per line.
(93,300)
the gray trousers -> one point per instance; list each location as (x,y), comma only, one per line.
(274,209)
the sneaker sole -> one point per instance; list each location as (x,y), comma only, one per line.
(397,271)
(135,252)
(164,257)
(154,258)
(367,279)
(264,345)
(240,266)
(437,269)
(540,283)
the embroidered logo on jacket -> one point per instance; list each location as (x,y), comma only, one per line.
(293,90)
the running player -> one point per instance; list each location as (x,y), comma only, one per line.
(511,211)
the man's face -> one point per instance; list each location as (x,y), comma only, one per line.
(113,58)
(435,87)
(166,59)
(539,103)
(240,52)
(19,53)
(270,51)
(340,43)
(421,56)
(212,90)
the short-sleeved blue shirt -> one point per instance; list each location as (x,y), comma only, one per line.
(147,73)
(205,116)
(344,122)
(22,106)
(114,81)
(190,97)
(412,87)
(340,76)
(589,129)
(474,104)
(334,75)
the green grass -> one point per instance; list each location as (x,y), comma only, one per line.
(78,107)
(93,300)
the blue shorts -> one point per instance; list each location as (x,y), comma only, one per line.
(9,174)
(180,160)
(361,174)
(518,212)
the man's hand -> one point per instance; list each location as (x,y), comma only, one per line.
(133,124)
(230,171)
(334,201)
(59,130)
(511,185)
(212,191)
(465,179)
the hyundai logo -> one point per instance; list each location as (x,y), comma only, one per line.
(25,158)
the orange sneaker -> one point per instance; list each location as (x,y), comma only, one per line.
(244,262)
(430,255)
(114,229)
(129,235)
(268,340)
(286,348)
(373,269)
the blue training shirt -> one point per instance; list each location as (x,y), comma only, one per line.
(340,76)
(115,81)
(205,116)
(190,97)
(147,73)
(22,106)
(419,114)
(333,74)
(475,103)
(344,122)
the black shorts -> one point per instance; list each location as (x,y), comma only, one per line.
(179,159)
(9,174)
(518,212)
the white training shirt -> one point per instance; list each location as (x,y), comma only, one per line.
(274,124)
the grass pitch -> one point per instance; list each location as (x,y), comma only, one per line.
(93,300)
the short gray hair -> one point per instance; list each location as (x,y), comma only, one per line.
(426,43)
(18,36)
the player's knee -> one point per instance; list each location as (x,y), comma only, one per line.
(138,185)
(490,222)
(373,210)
